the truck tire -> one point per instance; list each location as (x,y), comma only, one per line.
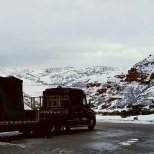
(59,128)
(91,124)
(53,128)
(56,128)
(67,128)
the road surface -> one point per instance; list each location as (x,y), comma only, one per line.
(107,138)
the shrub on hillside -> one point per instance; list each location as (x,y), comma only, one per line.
(131,112)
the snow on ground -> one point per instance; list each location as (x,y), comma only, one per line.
(140,119)
(21,146)
(129,142)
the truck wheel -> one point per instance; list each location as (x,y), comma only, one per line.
(91,124)
(53,128)
(62,128)
(58,129)
(67,128)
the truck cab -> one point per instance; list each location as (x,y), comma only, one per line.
(69,107)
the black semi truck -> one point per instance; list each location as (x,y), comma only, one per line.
(56,110)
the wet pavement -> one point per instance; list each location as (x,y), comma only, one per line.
(107,138)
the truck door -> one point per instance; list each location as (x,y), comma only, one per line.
(77,108)
(80,108)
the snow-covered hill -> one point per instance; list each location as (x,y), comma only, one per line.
(136,87)
(35,81)
(106,87)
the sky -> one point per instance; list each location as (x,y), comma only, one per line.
(67,33)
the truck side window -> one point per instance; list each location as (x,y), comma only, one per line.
(84,101)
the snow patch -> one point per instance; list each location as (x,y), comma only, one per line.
(129,142)
(142,119)
(5,144)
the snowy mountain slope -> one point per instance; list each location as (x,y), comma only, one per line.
(136,88)
(146,66)
(35,81)
(106,87)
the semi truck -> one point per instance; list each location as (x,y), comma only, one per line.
(58,109)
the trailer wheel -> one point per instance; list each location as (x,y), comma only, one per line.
(91,124)
(26,133)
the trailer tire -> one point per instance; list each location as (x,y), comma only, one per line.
(26,133)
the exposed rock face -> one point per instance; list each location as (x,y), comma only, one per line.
(135,75)
(152,76)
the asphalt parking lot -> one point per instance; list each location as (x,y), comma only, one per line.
(107,138)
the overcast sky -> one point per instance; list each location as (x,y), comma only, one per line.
(76,33)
